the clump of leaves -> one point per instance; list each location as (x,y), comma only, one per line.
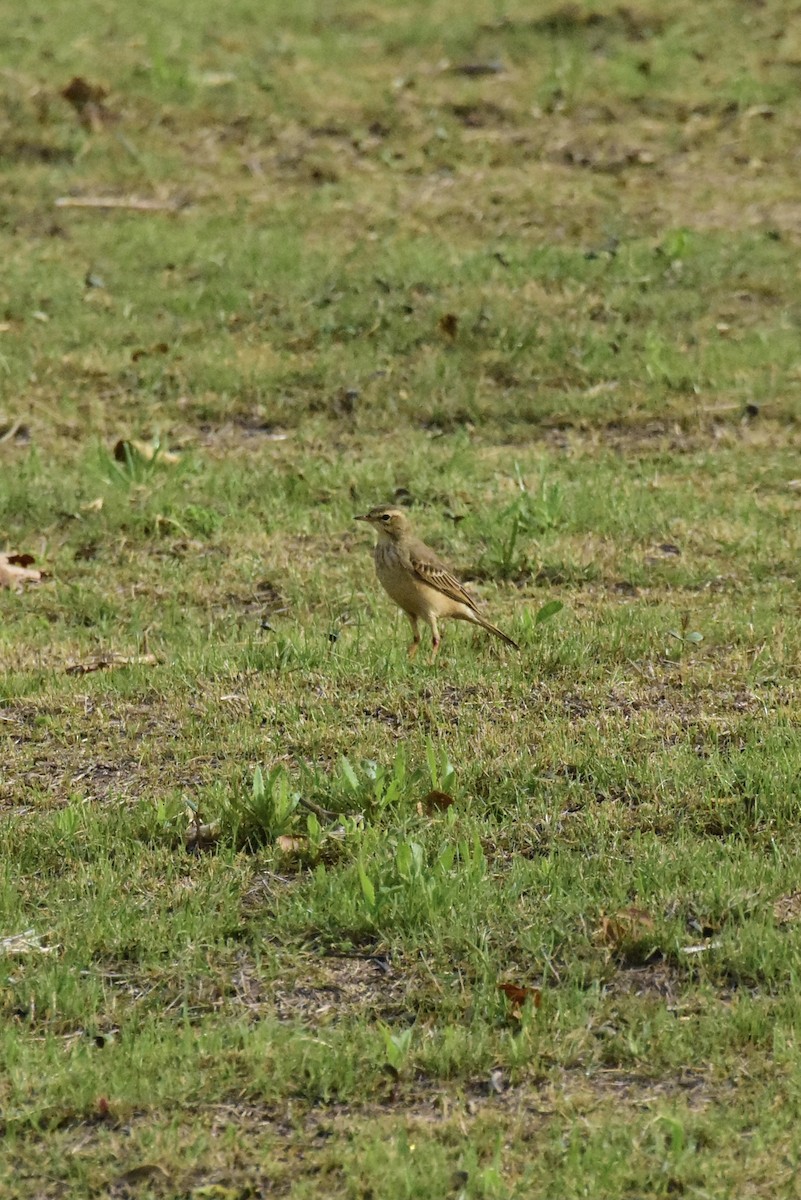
(265,811)
(397,1047)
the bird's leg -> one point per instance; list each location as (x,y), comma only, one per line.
(415,642)
(435,639)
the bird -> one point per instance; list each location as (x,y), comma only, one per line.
(418,581)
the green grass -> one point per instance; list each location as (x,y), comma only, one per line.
(304,999)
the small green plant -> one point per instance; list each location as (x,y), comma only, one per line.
(530,514)
(405,886)
(440,769)
(397,1047)
(135,463)
(368,890)
(685,636)
(315,834)
(547,611)
(72,819)
(200,520)
(376,785)
(409,859)
(263,812)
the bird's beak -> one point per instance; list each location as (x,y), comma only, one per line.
(362,517)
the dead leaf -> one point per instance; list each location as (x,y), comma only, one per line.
(291,845)
(79,92)
(519,996)
(105,662)
(434,802)
(15,571)
(496,1082)
(201,835)
(630,925)
(87,100)
(92,505)
(448,324)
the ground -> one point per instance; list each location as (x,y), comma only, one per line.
(282,913)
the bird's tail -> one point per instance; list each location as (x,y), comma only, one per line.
(485,624)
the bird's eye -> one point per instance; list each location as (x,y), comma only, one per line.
(385,516)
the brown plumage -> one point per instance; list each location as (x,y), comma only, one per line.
(418,581)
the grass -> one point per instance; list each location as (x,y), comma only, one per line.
(274,879)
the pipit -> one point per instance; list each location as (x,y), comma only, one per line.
(417,581)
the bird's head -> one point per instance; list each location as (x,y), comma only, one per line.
(387,520)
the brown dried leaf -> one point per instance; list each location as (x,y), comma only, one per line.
(291,845)
(435,802)
(519,996)
(201,835)
(15,571)
(80,92)
(448,324)
(625,927)
(87,100)
(104,662)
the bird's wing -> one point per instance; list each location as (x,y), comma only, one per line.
(431,571)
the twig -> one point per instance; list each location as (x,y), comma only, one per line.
(137,203)
(11,431)
(318,812)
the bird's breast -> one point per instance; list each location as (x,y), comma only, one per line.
(398,578)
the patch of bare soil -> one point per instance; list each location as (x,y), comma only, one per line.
(636,1090)
(63,750)
(326,989)
(720,424)
(652,980)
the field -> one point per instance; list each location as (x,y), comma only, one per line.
(281,912)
